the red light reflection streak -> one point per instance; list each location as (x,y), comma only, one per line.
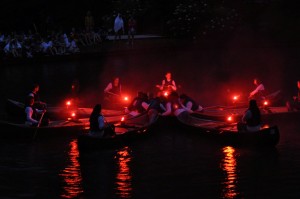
(123,178)
(71,174)
(228,165)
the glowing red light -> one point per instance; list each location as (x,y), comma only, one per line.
(68,103)
(126,98)
(73,114)
(229,118)
(122,119)
(166,93)
(235,97)
(266,103)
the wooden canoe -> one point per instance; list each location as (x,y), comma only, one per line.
(15,109)
(227,133)
(125,132)
(60,128)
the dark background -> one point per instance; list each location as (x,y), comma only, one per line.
(278,19)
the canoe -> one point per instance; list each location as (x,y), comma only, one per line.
(60,128)
(227,133)
(222,113)
(125,132)
(15,109)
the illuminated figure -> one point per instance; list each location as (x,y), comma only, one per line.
(168,84)
(258,92)
(113,90)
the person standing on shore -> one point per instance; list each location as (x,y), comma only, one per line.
(131,29)
(89,22)
(118,27)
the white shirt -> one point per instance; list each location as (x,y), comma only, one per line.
(119,24)
(258,88)
(247,116)
(168,110)
(29,112)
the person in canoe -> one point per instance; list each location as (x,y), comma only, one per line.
(172,105)
(112,92)
(154,106)
(189,104)
(97,124)
(138,105)
(33,115)
(168,85)
(251,120)
(294,104)
(34,93)
(258,92)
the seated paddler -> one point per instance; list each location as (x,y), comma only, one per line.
(251,120)
(33,115)
(97,124)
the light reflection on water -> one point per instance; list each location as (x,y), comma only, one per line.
(71,173)
(123,177)
(228,165)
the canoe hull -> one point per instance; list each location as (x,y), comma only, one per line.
(126,132)
(53,130)
(227,134)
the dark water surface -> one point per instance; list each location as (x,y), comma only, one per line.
(169,164)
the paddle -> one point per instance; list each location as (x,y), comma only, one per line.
(37,127)
(109,125)
(108,92)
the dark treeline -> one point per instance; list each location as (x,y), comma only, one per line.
(178,18)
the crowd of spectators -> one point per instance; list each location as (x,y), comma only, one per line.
(33,44)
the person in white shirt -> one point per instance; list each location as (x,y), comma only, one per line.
(258,92)
(118,26)
(32,113)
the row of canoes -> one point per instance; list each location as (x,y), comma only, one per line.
(139,126)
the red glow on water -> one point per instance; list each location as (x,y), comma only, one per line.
(71,174)
(124,177)
(228,165)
